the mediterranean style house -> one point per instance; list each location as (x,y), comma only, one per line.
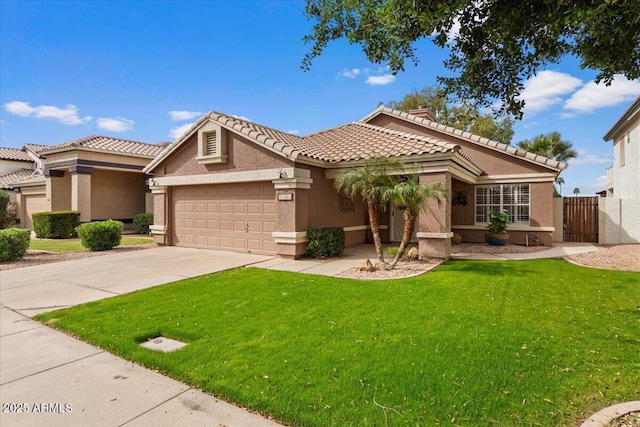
(619,221)
(231,184)
(99,176)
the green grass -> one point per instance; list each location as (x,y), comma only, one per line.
(532,343)
(72,245)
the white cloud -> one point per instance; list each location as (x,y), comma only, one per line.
(246,119)
(599,184)
(294,131)
(592,159)
(593,96)
(544,89)
(115,124)
(352,73)
(382,80)
(66,116)
(179,115)
(178,131)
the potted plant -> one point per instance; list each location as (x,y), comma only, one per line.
(498,227)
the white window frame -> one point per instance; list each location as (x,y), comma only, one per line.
(518,208)
(220,154)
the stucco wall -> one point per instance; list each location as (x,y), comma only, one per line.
(60,198)
(324,208)
(117,195)
(8,166)
(626,177)
(618,221)
(242,155)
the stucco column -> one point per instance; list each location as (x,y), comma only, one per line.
(160,215)
(50,187)
(434,225)
(81,191)
(292,216)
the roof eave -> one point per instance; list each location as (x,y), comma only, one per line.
(623,120)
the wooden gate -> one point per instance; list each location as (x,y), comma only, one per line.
(580,219)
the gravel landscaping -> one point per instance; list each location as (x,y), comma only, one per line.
(612,257)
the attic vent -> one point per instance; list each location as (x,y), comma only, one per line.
(211,144)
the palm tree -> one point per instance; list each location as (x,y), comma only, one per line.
(576,191)
(551,146)
(370,181)
(560,181)
(413,196)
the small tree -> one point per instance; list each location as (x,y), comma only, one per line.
(576,191)
(370,181)
(412,196)
(7,211)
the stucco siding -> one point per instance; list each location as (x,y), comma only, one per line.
(243,155)
(116,195)
(325,210)
(492,162)
(619,222)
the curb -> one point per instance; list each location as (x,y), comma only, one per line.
(602,418)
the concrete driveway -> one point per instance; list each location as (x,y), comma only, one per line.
(34,290)
(49,378)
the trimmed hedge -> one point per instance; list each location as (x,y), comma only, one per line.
(141,223)
(325,242)
(102,235)
(13,243)
(56,224)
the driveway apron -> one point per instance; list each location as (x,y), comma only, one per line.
(49,378)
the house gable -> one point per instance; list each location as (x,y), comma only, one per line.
(492,157)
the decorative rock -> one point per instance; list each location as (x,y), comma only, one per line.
(367,266)
(456,239)
(382,266)
(413,254)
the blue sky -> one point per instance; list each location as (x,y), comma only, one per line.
(144,70)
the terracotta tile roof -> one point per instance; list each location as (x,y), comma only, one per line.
(352,141)
(35,148)
(14,154)
(8,180)
(357,141)
(468,136)
(107,144)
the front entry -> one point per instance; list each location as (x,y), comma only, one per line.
(397,225)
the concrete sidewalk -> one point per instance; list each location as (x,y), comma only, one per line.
(56,380)
(356,255)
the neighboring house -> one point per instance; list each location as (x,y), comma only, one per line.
(619,221)
(17,165)
(234,185)
(99,176)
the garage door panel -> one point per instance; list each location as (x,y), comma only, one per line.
(34,204)
(238,217)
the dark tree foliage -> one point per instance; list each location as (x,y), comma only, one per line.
(498,44)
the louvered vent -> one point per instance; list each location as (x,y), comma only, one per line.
(211,144)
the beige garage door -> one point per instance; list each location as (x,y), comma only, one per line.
(232,217)
(33,204)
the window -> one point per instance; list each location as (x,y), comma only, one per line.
(513,199)
(212,144)
(621,145)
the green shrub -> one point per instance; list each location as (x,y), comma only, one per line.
(56,224)
(7,211)
(102,235)
(393,250)
(13,243)
(141,223)
(325,242)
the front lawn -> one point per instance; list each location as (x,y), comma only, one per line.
(72,245)
(535,343)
